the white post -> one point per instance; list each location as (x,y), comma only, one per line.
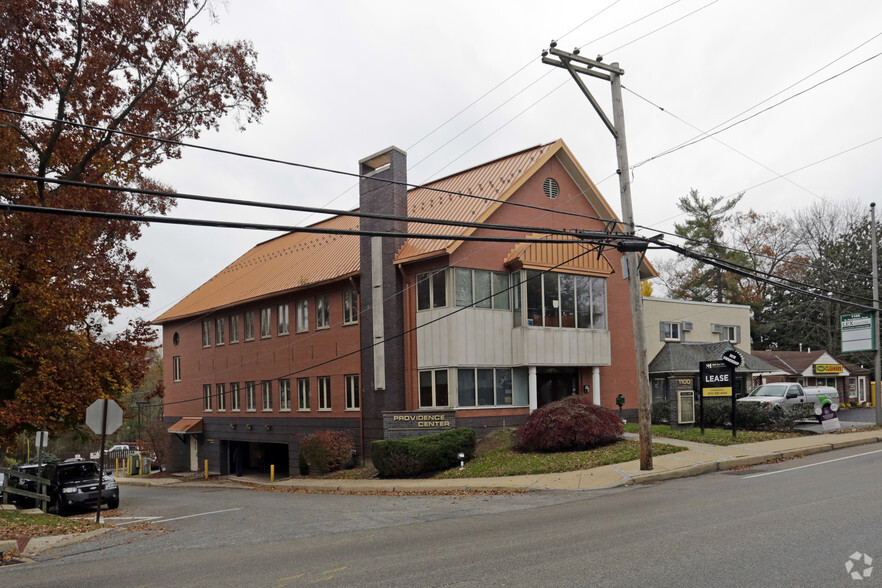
(595,385)
(534,393)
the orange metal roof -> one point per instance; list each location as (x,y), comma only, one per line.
(298,260)
(583,259)
(191,425)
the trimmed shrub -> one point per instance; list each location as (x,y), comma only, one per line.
(571,424)
(661,413)
(752,416)
(325,451)
(408,458)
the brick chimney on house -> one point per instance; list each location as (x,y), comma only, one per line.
(382,191)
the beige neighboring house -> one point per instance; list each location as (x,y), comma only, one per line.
(679,321)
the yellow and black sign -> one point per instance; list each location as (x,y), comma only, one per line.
(716,378)
(823,369)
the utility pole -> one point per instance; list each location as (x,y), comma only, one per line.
(576,65)
(878,364)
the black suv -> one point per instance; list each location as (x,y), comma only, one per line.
(75,484)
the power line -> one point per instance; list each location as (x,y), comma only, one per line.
(594,236)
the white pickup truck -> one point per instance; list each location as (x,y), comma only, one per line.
(786,393)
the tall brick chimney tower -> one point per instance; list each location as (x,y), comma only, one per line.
(382,191)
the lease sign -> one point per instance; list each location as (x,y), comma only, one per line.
(716,378)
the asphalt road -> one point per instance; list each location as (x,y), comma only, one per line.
(795,525)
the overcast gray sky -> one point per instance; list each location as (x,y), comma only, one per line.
(351,78)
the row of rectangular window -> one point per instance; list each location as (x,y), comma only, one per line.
(322,320)
(475,387)
(220,395)
(553,299)
(673,331)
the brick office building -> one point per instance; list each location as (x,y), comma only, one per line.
(310,331)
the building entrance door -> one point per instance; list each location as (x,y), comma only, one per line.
(194,454)
(555,384)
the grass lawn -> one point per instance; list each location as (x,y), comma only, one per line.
(14,524)
(495,457)
(714,436)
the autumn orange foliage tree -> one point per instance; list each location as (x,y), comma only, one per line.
(135,66)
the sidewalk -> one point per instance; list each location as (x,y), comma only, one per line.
(699,458)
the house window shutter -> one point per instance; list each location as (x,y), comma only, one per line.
(661,331)
(737,334)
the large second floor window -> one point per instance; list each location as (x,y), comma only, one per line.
(484,289)
(324,392)
(221,397)
(206,333)
(431,290)
(206,397)
(234,396)
(670,331)
(565,300)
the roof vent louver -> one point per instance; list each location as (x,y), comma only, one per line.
(551,188)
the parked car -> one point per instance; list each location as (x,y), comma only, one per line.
(779,394)
(75,485)
(22,484)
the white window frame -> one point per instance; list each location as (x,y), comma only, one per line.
(266,321)
(250,396)
(267,395)
(219,330)
(249,325)
(434,383)
(350,307)
(427,280)
(324,393)
(353,397)
(322,312)
(206,397)
(303,394)
(283,319)
(234,397)
(673,332)
(206,334)
(234,328)
(729,333)
(302,318)
(176,368)
(221,397)
(285,395)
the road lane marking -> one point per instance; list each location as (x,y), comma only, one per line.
(811,465)
(201,514)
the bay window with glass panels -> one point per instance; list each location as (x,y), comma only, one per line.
(482,288)
(564,300)
(432,290)
(484,387)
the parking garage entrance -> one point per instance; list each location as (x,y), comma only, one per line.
(243,457)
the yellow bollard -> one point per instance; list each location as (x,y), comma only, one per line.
(272,473)
(206,469)
(116,466)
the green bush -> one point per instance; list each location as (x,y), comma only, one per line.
(408,458)
(325,451)
(661,413)
(752,416)
(571,424)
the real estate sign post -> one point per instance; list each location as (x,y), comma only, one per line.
(858,332)
(716,380)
